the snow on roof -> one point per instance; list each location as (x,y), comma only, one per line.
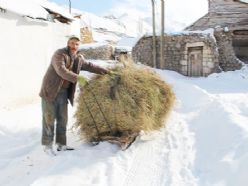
(93,45)
(34,8)
(202,33)
(55,8)
(243,1)
(24,7)
(207,32)
(127,43)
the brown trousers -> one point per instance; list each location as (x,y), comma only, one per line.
(51,112)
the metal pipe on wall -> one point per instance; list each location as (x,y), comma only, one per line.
(70,6)
(162,60)
(154,48)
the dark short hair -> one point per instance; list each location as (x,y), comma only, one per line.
(73,37)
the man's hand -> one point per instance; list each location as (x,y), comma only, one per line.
(82,81)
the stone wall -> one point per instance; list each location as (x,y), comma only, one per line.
(227,58)
(176,52)
(103,52)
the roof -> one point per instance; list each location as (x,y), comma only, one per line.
(25,7)
(37,9)
(53,7)
(243,1)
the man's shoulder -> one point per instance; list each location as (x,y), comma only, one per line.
(81,56)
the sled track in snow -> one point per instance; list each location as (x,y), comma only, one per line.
(155,162)
(141,166)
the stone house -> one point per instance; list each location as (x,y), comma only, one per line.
(229,19)
(189,53)
(200,54)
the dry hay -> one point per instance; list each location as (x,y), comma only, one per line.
(133,100)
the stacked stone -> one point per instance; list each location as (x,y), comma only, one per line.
(104,52)
(176,52)
(227,58)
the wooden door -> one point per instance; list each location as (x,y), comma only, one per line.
(195,61)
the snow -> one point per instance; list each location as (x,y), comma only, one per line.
(110,28)
(127,43)
(24,7)
(92,45)
(55,8)
(97,22)
(204,142)
(244,1)
(135,25)
(207,32)
(104,36)
(27,47)
(34,8)
(123,44)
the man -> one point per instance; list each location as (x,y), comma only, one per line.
(58,87)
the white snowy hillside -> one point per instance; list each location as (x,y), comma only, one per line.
(204,143)
(134,25)
(111,28)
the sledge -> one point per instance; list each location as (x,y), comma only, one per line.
(122,139)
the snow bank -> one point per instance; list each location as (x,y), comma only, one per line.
(215,110)
(204,143)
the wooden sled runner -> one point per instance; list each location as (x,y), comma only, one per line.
(125,140)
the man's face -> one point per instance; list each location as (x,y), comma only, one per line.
(73,44)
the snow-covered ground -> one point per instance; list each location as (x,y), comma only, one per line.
(204,143)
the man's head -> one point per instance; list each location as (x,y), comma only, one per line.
(73,43)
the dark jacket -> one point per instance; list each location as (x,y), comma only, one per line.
(58,72)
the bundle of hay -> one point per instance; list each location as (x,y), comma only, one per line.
(132,100)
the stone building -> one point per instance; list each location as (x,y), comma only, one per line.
(189,53)
(198,53)
(229,18)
